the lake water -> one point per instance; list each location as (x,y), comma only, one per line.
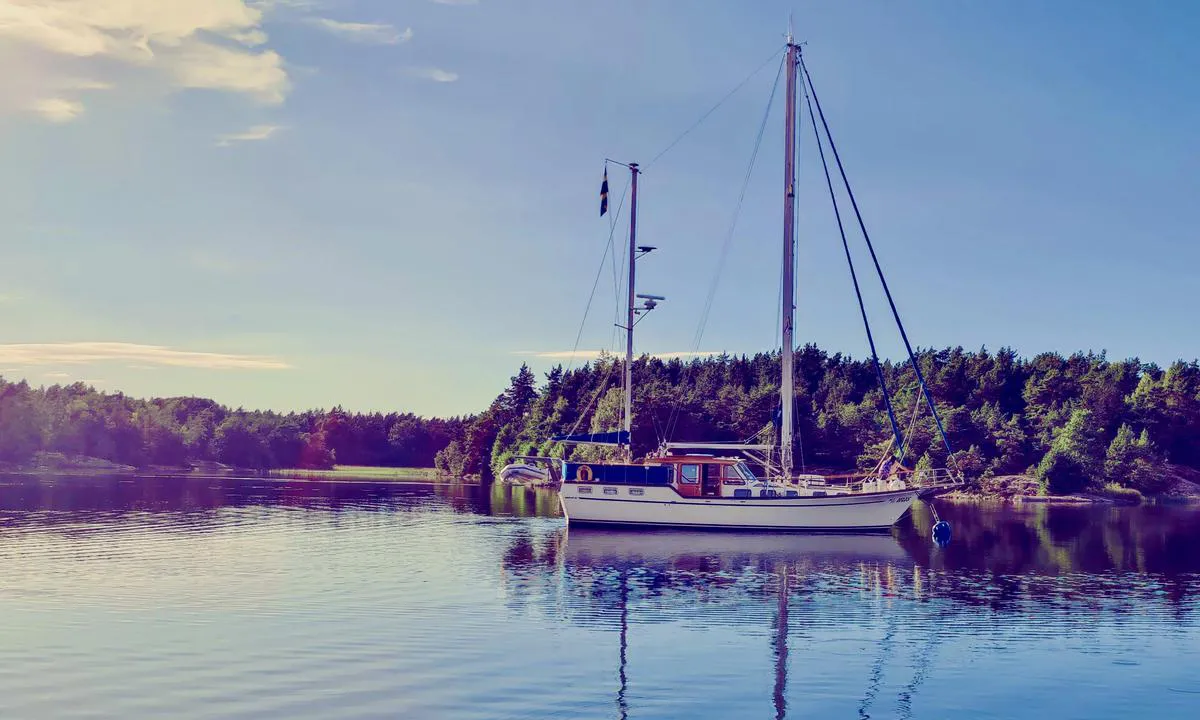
(152,598)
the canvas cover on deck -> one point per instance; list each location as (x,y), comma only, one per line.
(611,437)
(618,474)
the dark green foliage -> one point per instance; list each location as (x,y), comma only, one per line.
(20,436)
(1003,414)
(1082,440)
(450,459)
(1122,452)
(1135,462)
(1082,421)
(76,420)
(236,443)
(1148,477)
(1060,473)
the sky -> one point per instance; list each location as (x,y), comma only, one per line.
(391,205)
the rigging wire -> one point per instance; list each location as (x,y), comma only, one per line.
(728,242)
(862,308)
(737,212)
(664,151)
(912,425)
(595,396)
(879,271)
(608,252)
(713,109)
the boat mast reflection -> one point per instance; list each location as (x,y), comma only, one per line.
(779,645)
(699,564)
(622,707)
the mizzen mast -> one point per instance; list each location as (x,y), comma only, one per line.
(631,309)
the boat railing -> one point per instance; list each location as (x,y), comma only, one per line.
(924,479)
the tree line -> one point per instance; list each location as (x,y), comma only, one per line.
(1076,422)
(77,420)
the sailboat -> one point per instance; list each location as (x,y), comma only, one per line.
(711,485)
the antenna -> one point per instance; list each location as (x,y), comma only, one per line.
(651,302)
(790,37)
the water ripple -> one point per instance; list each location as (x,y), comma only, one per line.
(220,598)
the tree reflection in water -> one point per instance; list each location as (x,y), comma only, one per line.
(1013,573)
(1058,566)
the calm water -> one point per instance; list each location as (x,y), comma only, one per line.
(167,598)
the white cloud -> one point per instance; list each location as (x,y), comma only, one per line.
(594,354)
(213,67)
(56,109)
(258,132)
(78,353)
(211,44)
(270,5)
(83,84)
(434,74)
(373,33)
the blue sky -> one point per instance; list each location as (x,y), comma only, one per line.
(391,205)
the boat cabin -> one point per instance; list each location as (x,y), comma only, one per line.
(708,476)
(692,476)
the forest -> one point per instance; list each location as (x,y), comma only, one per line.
(1075,423)
(78,421)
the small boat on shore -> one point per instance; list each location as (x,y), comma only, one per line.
(710,485)
(520,473)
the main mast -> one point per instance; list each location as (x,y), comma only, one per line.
(786,389)
(631,311)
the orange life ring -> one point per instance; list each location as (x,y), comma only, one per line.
(583,474)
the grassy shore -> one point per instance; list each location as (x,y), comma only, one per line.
(362,472)
(57,464)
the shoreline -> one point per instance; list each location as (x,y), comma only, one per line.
(91,467)
(1007,490)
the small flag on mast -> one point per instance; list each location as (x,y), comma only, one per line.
(604,193)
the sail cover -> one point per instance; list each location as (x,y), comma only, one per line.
(612,437)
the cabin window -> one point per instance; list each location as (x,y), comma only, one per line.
(636,491)
(689,474)
(585,491)
(730,476)
(610,491)
(745,472)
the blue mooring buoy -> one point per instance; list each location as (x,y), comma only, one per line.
(941,533)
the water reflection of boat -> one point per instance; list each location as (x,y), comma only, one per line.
(705,560)
(624,548)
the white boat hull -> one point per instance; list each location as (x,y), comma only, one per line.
(664,507)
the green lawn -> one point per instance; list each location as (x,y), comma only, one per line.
(361,472)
